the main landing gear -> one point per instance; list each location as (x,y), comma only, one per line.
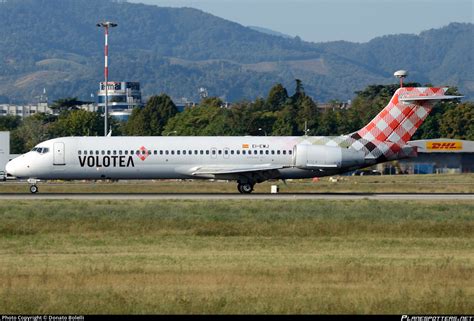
(245,188)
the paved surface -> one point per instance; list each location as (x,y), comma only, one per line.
(282,196)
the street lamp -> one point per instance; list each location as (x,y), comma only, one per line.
(106,25)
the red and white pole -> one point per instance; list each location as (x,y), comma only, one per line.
(106,26)
(106,75)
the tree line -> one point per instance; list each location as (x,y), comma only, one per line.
(278,114)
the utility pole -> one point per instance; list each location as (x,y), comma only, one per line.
(106,25)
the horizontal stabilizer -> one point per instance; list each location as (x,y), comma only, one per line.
(430,98)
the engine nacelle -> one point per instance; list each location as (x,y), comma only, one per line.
(318,156)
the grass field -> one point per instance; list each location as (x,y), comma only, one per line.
(446,183)
(236,257)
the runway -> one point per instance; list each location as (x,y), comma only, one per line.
(228,196)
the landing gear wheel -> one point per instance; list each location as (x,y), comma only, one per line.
(246,188)
(33,189)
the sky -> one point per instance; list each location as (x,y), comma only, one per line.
(330,20)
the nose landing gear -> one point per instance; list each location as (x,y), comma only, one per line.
(33,187)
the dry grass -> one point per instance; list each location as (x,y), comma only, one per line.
(236,257)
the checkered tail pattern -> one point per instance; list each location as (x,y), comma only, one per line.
(385,137)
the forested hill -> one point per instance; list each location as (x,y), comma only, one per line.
(55,44)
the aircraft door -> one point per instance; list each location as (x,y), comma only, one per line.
(294,155)
(226,152)
(58,154)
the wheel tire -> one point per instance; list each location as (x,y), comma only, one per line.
(246,188)
(33,189)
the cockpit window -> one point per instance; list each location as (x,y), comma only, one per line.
(40,150)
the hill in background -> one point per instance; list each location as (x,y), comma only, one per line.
(55,44)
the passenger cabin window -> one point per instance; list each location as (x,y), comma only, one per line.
(108,152)
(284,152)
(79,152)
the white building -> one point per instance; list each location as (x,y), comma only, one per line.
(24,110)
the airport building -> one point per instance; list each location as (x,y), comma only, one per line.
(5,155)
(435,156)
(123,97)
(24,110)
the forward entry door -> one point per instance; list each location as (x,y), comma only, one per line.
(58,154)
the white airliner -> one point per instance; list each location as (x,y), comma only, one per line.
(248,160)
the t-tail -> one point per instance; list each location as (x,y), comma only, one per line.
(386,136)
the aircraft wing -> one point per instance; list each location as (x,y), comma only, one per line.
(233,169)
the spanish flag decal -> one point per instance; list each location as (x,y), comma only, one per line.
(245,145)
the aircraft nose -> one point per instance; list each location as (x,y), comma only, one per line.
(16,168)
(10,168)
